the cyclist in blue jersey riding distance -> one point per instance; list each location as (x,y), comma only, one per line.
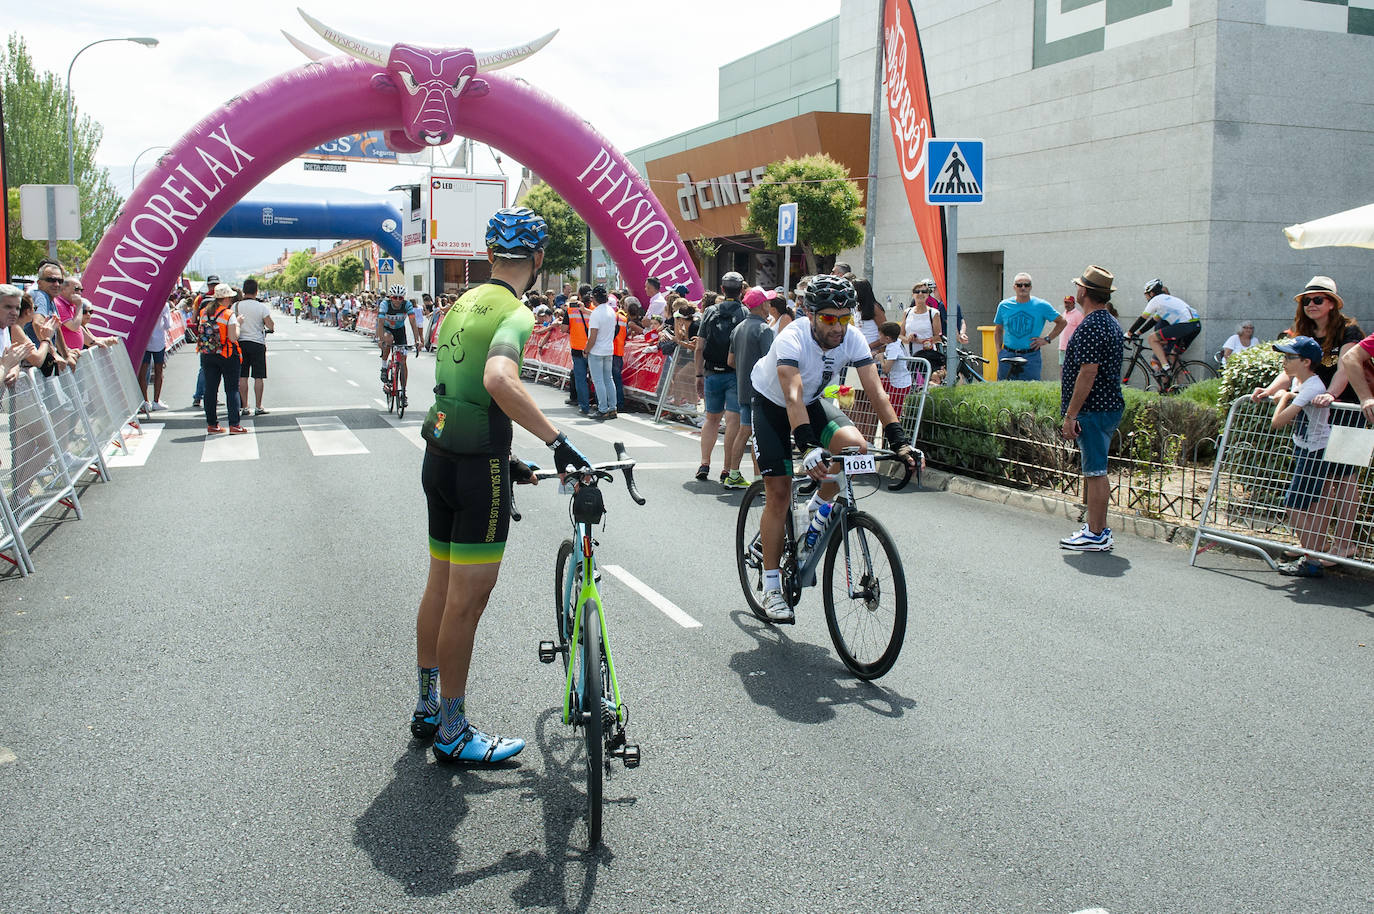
(393,313)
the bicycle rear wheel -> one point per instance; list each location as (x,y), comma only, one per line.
(865,609)
(593,678)
(567,583)
(749,548)
(1188,373)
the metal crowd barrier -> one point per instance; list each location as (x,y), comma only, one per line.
(55,429)
(909,411)
(1244,506)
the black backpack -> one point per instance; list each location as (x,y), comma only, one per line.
(718,324)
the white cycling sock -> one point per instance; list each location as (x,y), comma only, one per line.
(772,579)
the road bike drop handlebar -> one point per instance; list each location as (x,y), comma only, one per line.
(878,454)
(592,475)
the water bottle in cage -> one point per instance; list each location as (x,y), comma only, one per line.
(800,517)
(813,531)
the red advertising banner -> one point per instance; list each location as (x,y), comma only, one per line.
(908,108)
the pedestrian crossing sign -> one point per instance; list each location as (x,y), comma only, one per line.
(954,171)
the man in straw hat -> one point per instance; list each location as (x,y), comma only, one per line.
(1090,398)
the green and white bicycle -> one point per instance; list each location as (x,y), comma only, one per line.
(592,701)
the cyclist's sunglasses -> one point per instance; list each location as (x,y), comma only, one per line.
(833,319)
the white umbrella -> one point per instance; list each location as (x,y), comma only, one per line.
(1352,228)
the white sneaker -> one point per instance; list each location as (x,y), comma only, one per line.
(157,405)
(1087,541)
(1077,536)
(146,407)
(775,607)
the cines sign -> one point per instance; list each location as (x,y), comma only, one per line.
(156,230)
(726,190)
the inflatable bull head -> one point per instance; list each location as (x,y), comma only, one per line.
(429,81)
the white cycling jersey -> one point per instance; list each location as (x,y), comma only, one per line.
(1170,309)
(819,367)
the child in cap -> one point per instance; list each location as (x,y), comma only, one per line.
(1308,510)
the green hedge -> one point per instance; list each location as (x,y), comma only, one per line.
(1009,430)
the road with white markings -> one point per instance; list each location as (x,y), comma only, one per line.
(207,686)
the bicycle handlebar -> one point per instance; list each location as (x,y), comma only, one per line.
(878,454)
(589,475)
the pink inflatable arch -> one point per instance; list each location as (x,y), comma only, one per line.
(423,96)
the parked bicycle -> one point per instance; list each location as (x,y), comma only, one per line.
(592,701)
(1138,372)
(864,590)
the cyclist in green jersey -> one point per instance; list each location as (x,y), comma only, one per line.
(467,473)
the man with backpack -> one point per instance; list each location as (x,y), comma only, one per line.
(716,381)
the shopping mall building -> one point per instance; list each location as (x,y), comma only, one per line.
(1158,138)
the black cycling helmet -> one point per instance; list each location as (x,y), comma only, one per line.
(830,292)
(516,232)
(1154,285)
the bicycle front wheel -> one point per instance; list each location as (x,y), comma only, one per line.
(593,677)
(1138,375)
(749,548)
(865,603)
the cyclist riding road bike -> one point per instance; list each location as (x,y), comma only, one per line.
(1167,317)
(466,475)
(393,313)
(807,356)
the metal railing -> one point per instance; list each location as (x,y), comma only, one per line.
(54,430)
(1253,501)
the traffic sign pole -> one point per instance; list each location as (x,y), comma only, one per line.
(954,175)
(787,236)
(952,295)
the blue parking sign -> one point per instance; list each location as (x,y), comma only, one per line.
(787,225)
(954,171)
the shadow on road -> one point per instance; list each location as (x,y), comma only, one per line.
(413,830)
(1100,564)
(804,682)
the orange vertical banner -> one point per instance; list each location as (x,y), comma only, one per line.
(908,109)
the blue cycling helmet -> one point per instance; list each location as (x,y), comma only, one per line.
(830,292)
(516,232)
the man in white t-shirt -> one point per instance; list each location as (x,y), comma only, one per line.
(809,354)
(601,329)
(658,304)
(255,322)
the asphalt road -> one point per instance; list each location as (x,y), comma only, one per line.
(207,685)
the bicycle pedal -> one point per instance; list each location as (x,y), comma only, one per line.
(547,651)
(630,755)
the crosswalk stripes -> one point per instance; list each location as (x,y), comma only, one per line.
(327,436)
(222,446)
(140,446)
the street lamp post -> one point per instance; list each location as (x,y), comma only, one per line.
(71,168)
(133,170)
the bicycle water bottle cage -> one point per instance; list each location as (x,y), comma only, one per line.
(587,505)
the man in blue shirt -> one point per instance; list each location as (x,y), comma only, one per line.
(50,277)
(1020,330)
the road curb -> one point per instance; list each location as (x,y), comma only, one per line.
(1072,511)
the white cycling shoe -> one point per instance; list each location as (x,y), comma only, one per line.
(776,609)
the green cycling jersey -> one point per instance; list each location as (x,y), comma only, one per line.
(488,321)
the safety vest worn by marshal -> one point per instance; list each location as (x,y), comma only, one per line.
(213,336)
(578,325)
(622,332)
(489,320)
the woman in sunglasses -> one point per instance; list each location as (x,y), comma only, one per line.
(1321,315)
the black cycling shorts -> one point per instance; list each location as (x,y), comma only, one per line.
(398,334)
(254,359)
(773,432)
(469,506)
(1180,334)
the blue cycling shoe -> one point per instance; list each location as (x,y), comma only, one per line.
(473,747)
(424,726)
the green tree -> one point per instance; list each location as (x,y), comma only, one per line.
(297,269)
(567,247)
(329,278)
(829,216)
(36,150)
(350,274)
